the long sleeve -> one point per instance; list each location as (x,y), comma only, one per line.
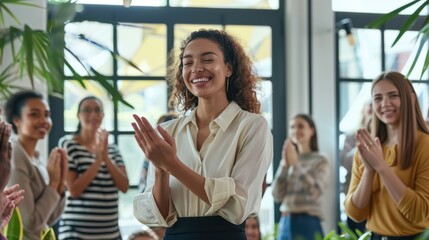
(357,214)
(279,184)
(384,216)
(236,203)
(40,201)
(233,160)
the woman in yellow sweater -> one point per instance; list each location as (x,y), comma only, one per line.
(390,182)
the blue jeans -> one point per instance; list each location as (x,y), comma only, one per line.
(305,227)
(284,228)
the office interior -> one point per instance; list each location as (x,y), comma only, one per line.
(314,56)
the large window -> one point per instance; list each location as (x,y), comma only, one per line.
(146,35)
(361,56)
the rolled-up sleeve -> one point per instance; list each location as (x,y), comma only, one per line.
(147,212)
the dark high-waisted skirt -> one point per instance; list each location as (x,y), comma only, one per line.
(207,228)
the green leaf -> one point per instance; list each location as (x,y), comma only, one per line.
(423,41)
(14,229)
(330,235)
(387,17)
(27,47)
(424,235)
(115,94)
(347,230)
(365,236)
(425,64)
(103,47)
(409,22)
(64,12)
(48,234)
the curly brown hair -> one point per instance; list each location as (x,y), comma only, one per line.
(242,82)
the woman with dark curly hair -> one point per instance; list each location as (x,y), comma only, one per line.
(200,162)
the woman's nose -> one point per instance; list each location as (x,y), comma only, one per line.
(197,68)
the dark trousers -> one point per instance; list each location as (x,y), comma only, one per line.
(356,225)
(207,228)
(305,227)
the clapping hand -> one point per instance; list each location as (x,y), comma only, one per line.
(64,165)
(289,153)
(12,197)
(370,151)
(102,149)
(54,167)
(160,150)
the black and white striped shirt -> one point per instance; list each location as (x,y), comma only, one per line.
(94,214)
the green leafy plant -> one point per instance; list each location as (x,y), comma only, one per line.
(40,54)
(411,20)
(14,230)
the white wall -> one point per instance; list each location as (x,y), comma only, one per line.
(323,81)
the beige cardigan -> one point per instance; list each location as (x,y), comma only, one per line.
(42,205)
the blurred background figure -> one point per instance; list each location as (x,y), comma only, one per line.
(43,184)
(299,182)
(253,230)
(96,172)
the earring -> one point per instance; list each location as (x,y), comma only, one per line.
(227,84)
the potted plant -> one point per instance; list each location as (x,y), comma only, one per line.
(40,54)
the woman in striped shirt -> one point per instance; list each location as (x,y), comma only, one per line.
(96,173)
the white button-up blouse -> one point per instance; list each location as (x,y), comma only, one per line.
(233,159)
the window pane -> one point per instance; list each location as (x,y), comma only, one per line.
(258,44)
(360,55)
(401,56)
(140,43)
(354,97)
(371,6)
(182,31)
(74,92)
(127,222)
(248,4)
(265,96)
(154,3)
(149,99)
(133,157)
(89,53)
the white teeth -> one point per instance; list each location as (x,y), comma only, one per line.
(200,80)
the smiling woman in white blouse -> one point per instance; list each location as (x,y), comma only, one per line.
(207,167)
